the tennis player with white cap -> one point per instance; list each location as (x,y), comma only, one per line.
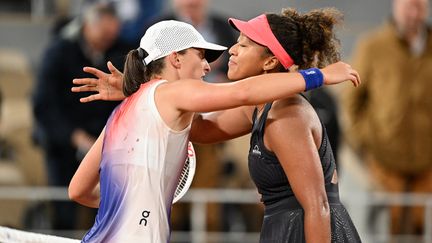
(132,170)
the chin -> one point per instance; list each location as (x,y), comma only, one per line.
(233,76)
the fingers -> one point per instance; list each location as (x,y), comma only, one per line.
(87,84)
(85,81)
(355,77)
(90,98)
(96,72)
(353,80)
(84,88)
(112,69)
(358,77)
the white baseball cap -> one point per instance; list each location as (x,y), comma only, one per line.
(166,37)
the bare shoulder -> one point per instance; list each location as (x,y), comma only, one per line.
(295,108)
(293,118)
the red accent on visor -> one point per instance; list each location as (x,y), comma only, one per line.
(258,30)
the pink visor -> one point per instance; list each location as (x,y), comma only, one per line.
(258,30)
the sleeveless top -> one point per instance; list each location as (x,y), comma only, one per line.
(266,170)
(141,162)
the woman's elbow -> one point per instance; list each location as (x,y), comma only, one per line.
(318,206)
(74,194)
(325,207)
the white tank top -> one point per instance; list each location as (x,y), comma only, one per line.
(141,162)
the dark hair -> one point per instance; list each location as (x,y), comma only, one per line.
(308,38)
(136,73)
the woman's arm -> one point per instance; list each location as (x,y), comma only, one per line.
(109,86)
(84,186)
(219,126)
(288,134)
(191,95)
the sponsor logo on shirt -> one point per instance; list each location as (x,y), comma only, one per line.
(256,150)
(145,214)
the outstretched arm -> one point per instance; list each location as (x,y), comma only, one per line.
(109,86)
(197,96)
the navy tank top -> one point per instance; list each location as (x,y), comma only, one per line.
(266,170)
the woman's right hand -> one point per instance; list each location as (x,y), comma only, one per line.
(107,86)
(339,72)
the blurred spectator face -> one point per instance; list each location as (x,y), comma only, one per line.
(410,15)
(193,10)
(102,32)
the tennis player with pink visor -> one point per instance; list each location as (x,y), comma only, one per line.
(290,157)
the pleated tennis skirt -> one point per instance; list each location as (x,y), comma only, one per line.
(284,223)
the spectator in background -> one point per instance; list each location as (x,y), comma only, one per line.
(5,150)
(1,104)
(65,128)
(134,14)
(390,114)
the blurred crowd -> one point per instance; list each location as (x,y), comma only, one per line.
(387,121)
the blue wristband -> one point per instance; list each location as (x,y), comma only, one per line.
(313,78)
